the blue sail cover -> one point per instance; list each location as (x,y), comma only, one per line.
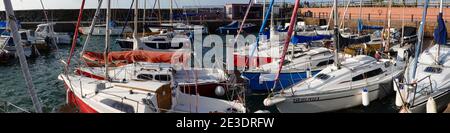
(3,24)
(440,33)
(305,39)
(362,27)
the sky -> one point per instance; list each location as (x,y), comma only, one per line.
(75,4)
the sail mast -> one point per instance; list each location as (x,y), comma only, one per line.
(107,38)
(159,11)
(91,29)
(12,22)
(288,38)
(143,18)
(135,32)
(439,45)
(403,24)
(336,36)
(250,4)
(386,48)
(420,39)
(171,13)
(343,16)
(264,10)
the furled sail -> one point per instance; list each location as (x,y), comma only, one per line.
(362,27)
(344,42)
(440,33)
(306,39)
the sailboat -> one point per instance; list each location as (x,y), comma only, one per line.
(166,40)
(148,88)
(208,82)
(426,78)
(152,89)
(341,85)
(46,31)
(303,61)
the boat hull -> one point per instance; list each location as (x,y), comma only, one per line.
(73,99)
(285,80)
(442,99)
(327,102)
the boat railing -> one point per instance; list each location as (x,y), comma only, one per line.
(426,88)
(7,107)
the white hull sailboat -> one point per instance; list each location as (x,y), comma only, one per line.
(334,89)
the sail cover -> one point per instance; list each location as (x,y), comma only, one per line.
(440,33)
(95,59)
(306,39)
(344,42)
(362,27)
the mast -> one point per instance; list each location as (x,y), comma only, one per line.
(331,15)
(264,10)
(360,14)
(288,38)
(343,15)
(159,12)
(439,45)
(250,4)
(403,24)
(12,22)
(271,21)
(261,29)
(107,38)
(91,28)
(336,36)
(135,32)
(386,48)
(420,39)
(171,13)
(143,18)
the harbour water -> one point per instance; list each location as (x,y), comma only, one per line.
(46,68)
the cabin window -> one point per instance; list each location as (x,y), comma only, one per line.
(164,46)
(323,76)
(374,73)
(162,77)
(151,45)
(324,63)
(145,76)
(433,70)
(23,36)
(118,105)
(286,62)
(359,77)
(369,74)
(159,39)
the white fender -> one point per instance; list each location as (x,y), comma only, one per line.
(365,97)
(431,105)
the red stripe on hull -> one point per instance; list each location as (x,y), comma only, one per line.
(239,61)
(207,90)
(74,100)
